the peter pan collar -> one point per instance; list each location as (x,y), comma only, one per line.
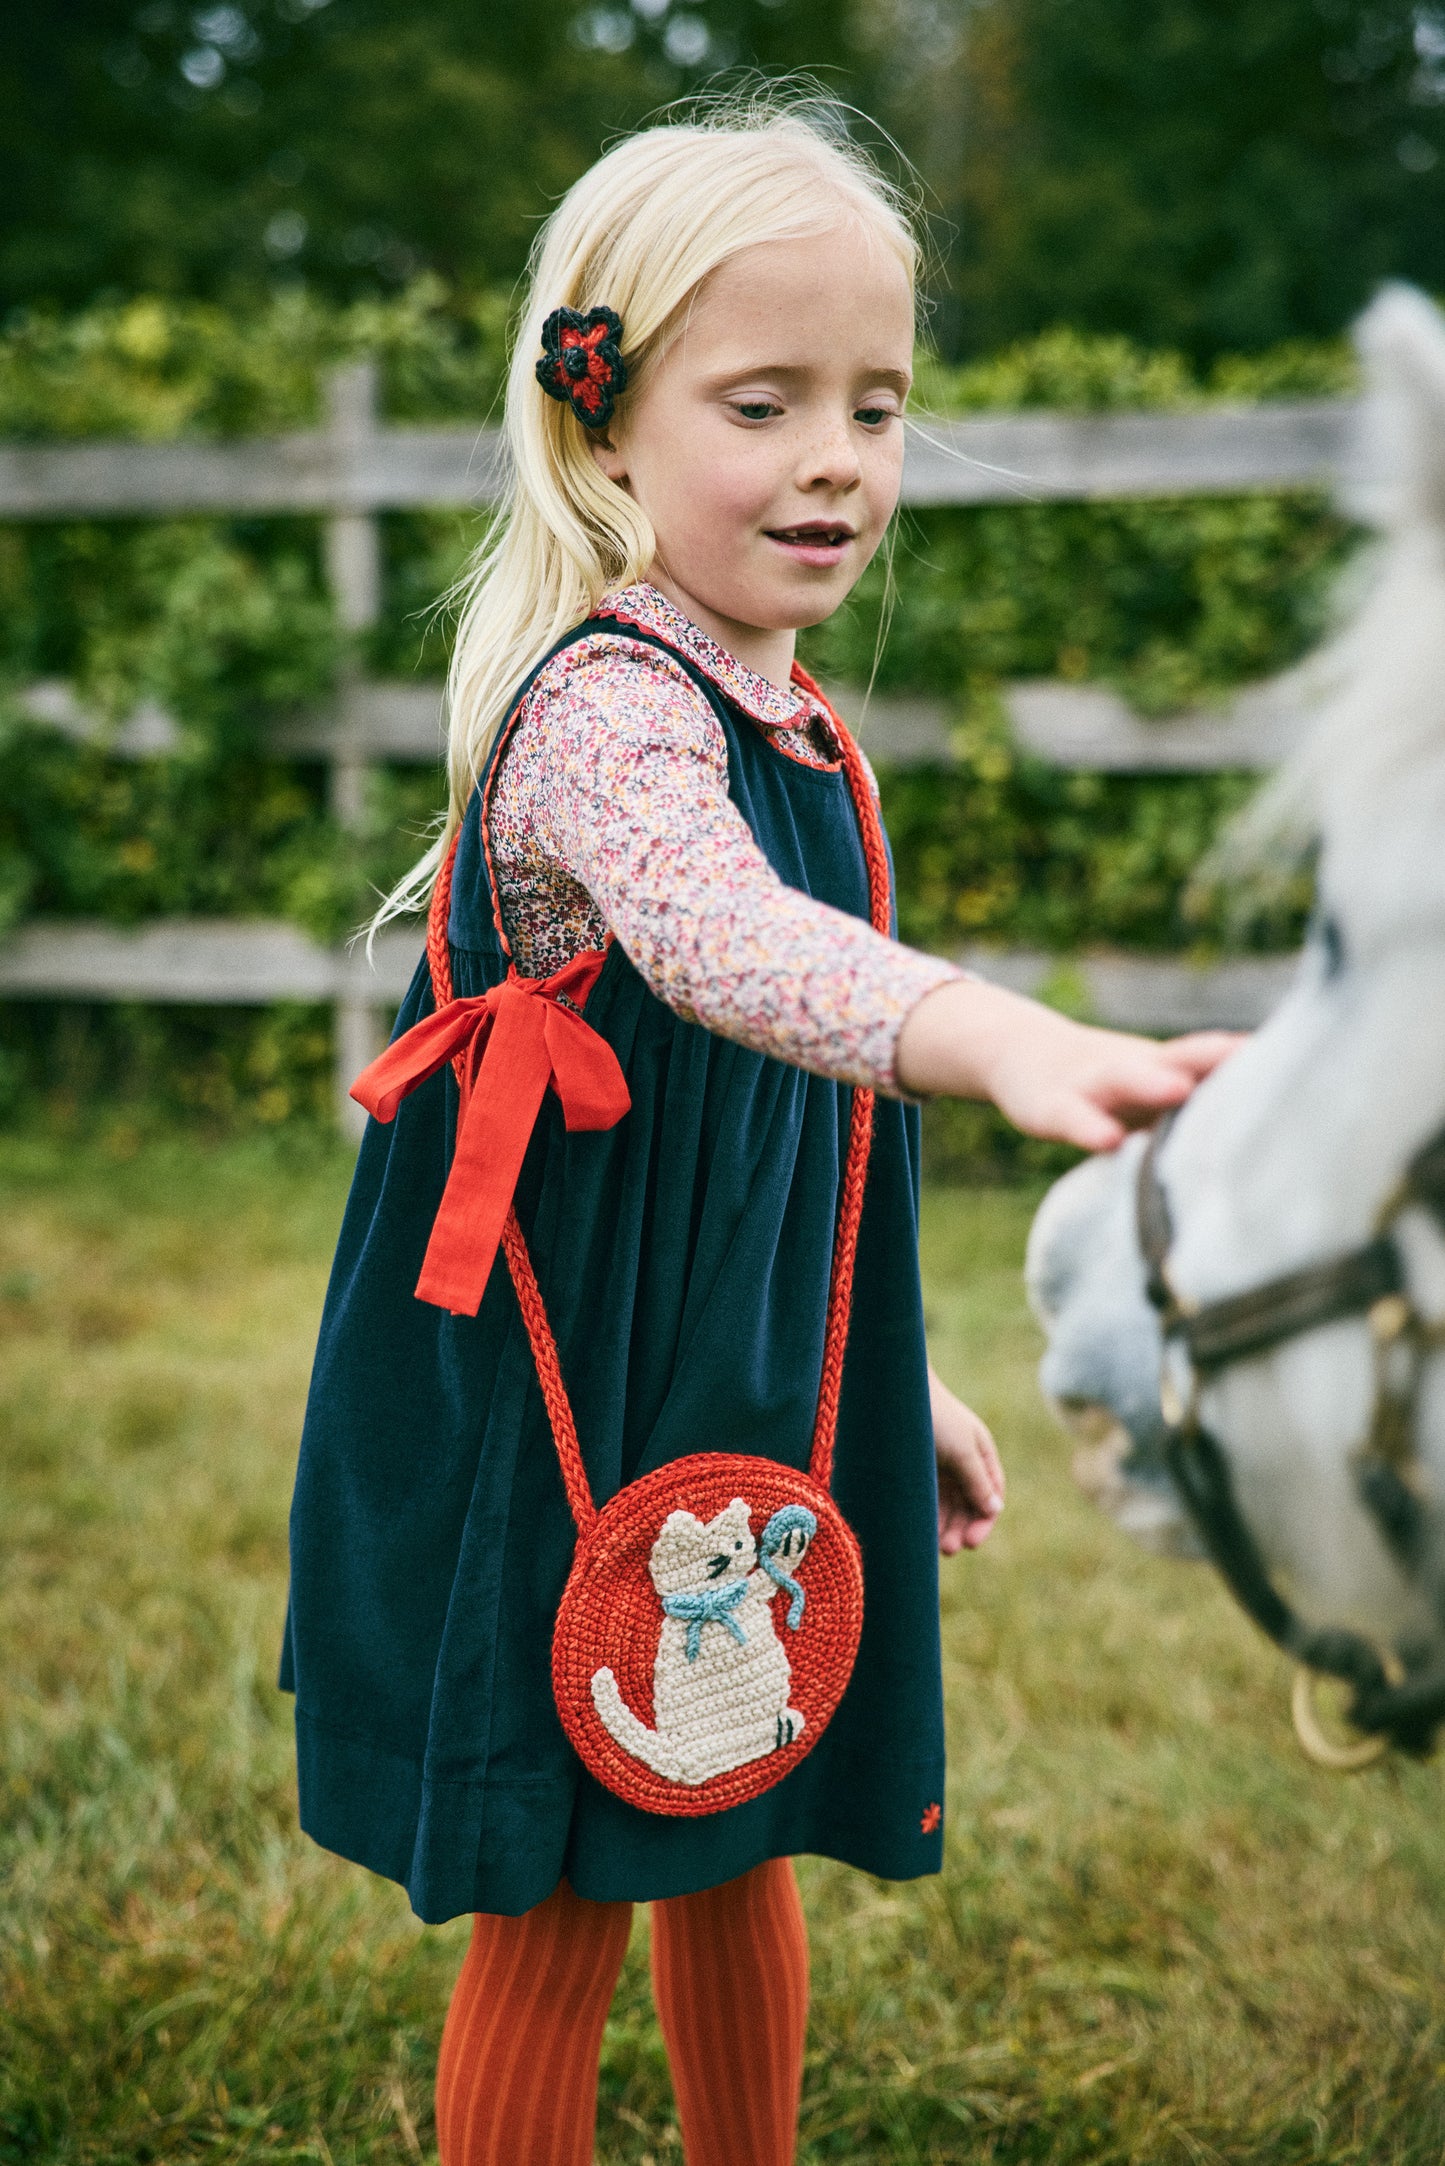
(650,611)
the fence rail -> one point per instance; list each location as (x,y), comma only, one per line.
(1069,725)
(202,962)
(355,465)
(354,468)
(224,962)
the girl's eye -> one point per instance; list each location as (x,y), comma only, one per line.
(873,417)
(757,409)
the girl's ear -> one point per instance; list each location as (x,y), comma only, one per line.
(609,458)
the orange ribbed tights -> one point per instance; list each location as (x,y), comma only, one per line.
(517,2076)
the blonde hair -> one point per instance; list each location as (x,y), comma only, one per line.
(639,233)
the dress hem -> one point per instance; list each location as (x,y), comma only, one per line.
(397,1821)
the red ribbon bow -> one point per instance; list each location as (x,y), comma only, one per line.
(515,1041)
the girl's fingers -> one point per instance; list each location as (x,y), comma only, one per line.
(993,1465)
(989,1467)
(1165,1075)
(1159,1079)
(1086,1125)
(959,1530)
(970,1477)
(977,1473)
(964,1530)
(970,1484)
(1201,1051)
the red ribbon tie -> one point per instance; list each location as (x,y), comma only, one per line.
(510,1044)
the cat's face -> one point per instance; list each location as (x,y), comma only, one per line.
(689,1555)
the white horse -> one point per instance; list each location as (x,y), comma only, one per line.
(1297,1264)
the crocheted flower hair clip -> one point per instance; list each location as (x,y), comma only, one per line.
(582,362)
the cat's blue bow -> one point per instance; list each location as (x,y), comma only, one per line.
(710,1605)
(789,1519)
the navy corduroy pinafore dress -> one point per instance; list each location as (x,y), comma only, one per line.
(684,1256)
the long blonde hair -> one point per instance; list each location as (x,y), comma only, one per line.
(639,233)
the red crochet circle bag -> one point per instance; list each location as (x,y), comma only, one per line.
(711,1618)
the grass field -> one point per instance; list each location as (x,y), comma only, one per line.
(1160,1936)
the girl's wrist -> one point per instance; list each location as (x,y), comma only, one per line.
(955,1042)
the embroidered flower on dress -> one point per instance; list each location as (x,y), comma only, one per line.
(582,362)
(932,1817)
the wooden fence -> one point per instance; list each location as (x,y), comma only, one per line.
(354,468)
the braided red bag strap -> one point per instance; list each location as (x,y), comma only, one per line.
(850,1207)
(860,1125)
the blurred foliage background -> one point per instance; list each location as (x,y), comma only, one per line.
(205,207)
(1212,174)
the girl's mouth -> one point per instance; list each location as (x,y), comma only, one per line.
(821,542)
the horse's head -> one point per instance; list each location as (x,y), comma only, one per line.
(1306,1428)
(1086,1282)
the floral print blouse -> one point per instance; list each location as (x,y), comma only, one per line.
(611,812)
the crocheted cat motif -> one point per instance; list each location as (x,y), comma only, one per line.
(721,1679)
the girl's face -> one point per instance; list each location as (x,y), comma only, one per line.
(767,446)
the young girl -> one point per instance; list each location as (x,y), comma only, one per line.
(662,892)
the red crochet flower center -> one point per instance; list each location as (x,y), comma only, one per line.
(591,389)
(610,1617)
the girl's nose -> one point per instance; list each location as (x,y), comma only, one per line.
(832,458)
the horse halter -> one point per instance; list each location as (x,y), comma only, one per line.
(1398,1698)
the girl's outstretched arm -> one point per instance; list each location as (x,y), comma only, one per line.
(616,782)
(618,775)
(1049,1076)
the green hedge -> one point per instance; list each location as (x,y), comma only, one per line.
(227,622)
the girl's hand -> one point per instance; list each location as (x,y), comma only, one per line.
(1049,1076)
(970,1478)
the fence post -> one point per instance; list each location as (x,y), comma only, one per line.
(353,569)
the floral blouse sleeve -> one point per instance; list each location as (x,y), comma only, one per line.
(611,811)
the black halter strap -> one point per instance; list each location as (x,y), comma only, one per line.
(1368,1280)
(1217,1333)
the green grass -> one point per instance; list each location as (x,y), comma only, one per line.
(1160,1935)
